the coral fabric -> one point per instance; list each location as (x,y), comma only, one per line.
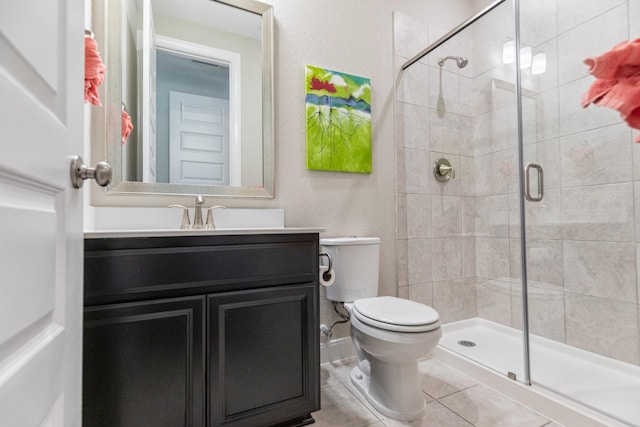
(127,126)
(596,91)
(93,71)
(617,84)
(620,62)
(624,97)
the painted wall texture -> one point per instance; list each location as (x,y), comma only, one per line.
(354,37)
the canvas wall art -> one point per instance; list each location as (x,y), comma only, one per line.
(338,108)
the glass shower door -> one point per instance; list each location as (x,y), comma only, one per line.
(581,238)
(488,188)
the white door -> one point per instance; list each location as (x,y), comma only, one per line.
(198,139)
(41,119)
(148,81)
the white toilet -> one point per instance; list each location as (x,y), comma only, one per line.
(389,334)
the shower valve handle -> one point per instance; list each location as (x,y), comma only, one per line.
(446,170)
(443,171)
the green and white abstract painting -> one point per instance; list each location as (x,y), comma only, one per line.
(338,121)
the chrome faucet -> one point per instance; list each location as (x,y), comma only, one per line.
(210,224)
(197,216)
(186,221)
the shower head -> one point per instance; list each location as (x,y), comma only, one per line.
(461,61)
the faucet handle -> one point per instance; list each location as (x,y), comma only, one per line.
(199,200)
(186,222)
(210,224)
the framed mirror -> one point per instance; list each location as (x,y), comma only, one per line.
(195,78)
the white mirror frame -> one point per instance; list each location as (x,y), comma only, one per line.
(106,28)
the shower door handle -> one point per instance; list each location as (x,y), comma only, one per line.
(527,187)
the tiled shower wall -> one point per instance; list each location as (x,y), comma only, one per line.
(458,246)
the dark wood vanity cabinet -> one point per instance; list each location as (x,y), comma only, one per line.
(201,330)
(144,364)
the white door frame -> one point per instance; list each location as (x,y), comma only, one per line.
(148,77)
(233,61)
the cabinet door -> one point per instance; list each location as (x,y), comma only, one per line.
(144,364)
(263,356)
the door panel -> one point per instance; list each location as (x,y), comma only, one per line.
(41,118)
(199,139)
(22,202)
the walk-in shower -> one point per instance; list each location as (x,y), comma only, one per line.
(535,276)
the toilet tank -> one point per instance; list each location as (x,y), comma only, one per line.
(356,264)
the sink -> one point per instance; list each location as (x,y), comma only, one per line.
(101,234)
(248,218)
(149,222)
(120,218)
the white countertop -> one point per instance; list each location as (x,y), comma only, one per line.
(102,234)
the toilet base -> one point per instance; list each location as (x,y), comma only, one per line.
(362,383)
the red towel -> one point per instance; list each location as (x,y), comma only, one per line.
(93,71)
(596,91)
(624,97)
(633,120)
(617,84)
(621,61)
(127,126)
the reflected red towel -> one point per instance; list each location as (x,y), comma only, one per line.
(127,126)
(93,71)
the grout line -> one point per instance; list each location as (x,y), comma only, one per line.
(457,391)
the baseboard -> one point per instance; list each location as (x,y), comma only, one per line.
(338,349)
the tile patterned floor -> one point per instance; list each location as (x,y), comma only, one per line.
(453,400)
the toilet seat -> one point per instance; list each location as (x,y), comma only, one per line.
(396,314)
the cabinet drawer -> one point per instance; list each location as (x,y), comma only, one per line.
(130,269)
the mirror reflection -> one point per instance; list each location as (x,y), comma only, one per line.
(195,81)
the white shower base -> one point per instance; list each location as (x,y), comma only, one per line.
(560,374)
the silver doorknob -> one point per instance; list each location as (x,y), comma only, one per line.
(79,172)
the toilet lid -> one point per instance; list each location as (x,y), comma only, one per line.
(396,314)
